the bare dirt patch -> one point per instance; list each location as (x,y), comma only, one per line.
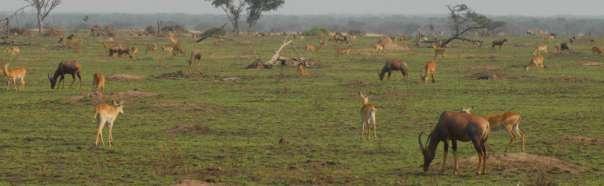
(589,63)
(515,162)
(181,75)
(185,106)
(583,140)
(94,98)
(124,77)
(197,129)
(485,72)
(191,182)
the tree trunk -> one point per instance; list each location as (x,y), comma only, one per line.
(39,24)
(236,25)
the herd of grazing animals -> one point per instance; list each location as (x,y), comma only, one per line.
(452,126)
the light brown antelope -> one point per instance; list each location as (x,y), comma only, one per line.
(301,69)
(511,123)
(456,126)
(98,83)
(536,62)
(106,115)
(429,71)
(312,48)
(344,51)
(368,111)
(151,48)
(596,50)
(540,50)
(379,48)
(13,51)
(13,76)
(438,51)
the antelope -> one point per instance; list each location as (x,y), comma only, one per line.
(394,65)
(13,51)
(379,48)
(301,69)
(195,57)
(98,82)
(312,48)
(429,71)
(564,47)
(344,51)
(106,114)
(456,126)
(14,75)
(596,50)
(368,117)
(536,61)
(120,51)
(67,67)
(151,48)
(499,43)
(541,49)
(510,121)
(438,51)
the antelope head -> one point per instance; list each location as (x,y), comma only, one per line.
(428,153)
(364,97)
(53,81)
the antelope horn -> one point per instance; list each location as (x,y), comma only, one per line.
(421,145)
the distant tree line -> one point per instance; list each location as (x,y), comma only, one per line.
(387,24)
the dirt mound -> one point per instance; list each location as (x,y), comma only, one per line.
(180,75)
(583,140)
(514,162)
(189,129)
(589,63)
(95,99)
(191,182)
(125,77)
(485,72)
(133,94)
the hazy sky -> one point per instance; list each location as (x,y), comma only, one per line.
(491,7)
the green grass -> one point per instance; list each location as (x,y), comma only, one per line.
(47,139)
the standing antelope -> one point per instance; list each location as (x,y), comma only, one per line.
(456,126)
(98,83)
(438,51)
(596,50)
(106,114)
(394,65)
(14,75)
(13,51)
(344,51)
(536,61)
(429,71)
(368,117)
(510,121)
(194,58)
(67,67)
(498,43)
(379,48)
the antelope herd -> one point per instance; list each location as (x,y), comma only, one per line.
(451,126)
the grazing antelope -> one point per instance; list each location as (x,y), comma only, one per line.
(438,51)
(120,51)
(343,51)
(596,50)
(564,47)
(368,117)
(13,51)
(98,82)
(311,48)
(541,49)
(106,114)
(510,121)
(536,61)
(429,71)
(456,126)
(195,57)
(301,69)
(498,43)
(394,65)
(379,48)
(67,67)
(14,75)
(151,48)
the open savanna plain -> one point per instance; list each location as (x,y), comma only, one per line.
(220,123)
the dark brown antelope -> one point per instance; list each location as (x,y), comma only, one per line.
(120,51)
(394,65)
(67,67)
(456,126)
(499,43)
(194,58)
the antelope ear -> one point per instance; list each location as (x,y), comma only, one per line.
(114,102)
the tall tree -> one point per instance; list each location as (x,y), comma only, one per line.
(257,7)
(232,9)
(43,9)
(464,20)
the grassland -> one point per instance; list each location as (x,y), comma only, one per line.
(228,132)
